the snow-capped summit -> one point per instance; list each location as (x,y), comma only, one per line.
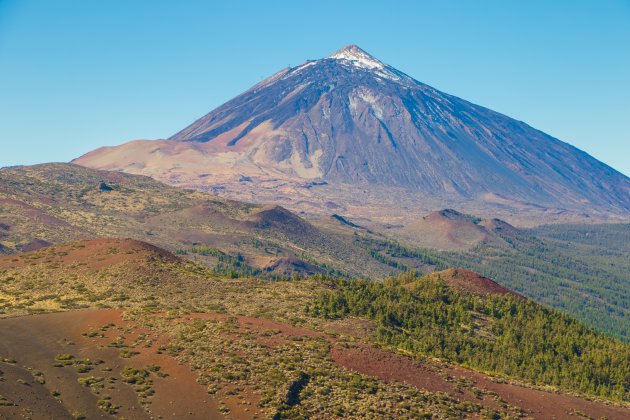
(358,57)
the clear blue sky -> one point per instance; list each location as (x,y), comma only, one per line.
(76,75)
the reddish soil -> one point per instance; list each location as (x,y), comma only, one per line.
(90,254)
(393,367)
(37,339)
(543,404)
(436,377)
(471,282)
(439,230)
(34,213)
(536,403)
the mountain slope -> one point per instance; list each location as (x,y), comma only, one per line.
(284,349)
(349,119)
(58,203)
(583,270)
(429,317)
(466,281)
(109,271)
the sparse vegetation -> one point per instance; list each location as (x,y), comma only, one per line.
(296,377)
(93,382)
(106,404)
(253,345)
(140,381)
(126,353)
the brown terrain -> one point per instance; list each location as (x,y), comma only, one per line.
(443,378)
(60,203)
(467,281)
(444,230)
(438,377)
(95,254)
(81,362)
(33,351)
(225,292)
(451,230)
(38,340)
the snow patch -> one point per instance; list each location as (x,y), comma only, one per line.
(357,57)
(368,97)
(305,65)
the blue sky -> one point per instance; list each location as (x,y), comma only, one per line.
(76,75)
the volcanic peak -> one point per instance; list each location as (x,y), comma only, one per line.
(357,57)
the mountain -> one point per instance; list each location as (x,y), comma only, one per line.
(315,136)
(445,229)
